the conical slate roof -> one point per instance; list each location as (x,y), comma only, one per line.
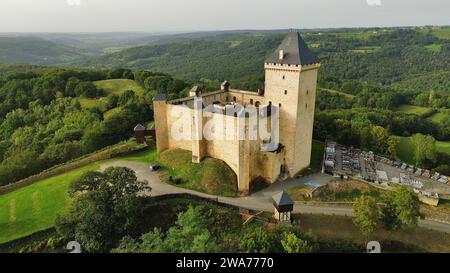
(295,50)
(282,199)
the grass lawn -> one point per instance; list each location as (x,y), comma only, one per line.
(211,176)
(116,86)
(443,146)
(440,116)
(327,227)
(412,109)
(405,151)
(434,48)
(336,92)
(366,49)
(147,157)
(442,32)
(35,207)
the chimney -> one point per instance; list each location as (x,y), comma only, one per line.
(281,55)
(195,91)
(225,86)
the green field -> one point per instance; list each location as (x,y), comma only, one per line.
(366,49)
(405,150)
(119,86)
(443,147)
(442,33)
(434,47)
(147,157)
(336,92)
(412,109)
(440,116)
(35,207)
(116,86)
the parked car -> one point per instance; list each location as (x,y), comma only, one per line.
(154,168)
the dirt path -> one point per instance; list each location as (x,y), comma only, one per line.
(259,201)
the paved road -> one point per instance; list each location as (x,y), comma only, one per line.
(260,201)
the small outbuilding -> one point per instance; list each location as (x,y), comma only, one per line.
(283,207)
(140,132)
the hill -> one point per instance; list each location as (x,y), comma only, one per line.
(33,50)
(225,56)
(114,86)
(384,56)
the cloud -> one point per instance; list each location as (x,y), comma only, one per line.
(374,2)
(73,2)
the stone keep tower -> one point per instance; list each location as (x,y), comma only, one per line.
(290,84)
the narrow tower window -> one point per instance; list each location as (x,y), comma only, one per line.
(285,92)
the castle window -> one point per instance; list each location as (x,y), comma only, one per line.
(285,92)
(307,92)
(306,106)
(279,105)
(284,77)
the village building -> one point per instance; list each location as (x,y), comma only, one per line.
(289,90)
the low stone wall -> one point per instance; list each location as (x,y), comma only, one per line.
(6,247)
(437,216)
(107,153)
(212,201)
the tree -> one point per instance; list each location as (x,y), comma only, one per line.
(367,214)
(292,244)
(380,137)
(106,207)
(424,148)
(402,209)
(112,101)
(257,240)
(393,142)
(189,235)
(70,86)
(87,89)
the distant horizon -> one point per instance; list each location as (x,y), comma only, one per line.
(218,30)
(168,16)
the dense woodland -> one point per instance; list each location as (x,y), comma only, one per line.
(365,76)
(42,122)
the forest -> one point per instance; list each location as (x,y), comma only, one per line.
(367,80)
(43,123)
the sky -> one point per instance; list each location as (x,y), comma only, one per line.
(201,15)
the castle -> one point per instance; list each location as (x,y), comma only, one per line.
(289,91)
